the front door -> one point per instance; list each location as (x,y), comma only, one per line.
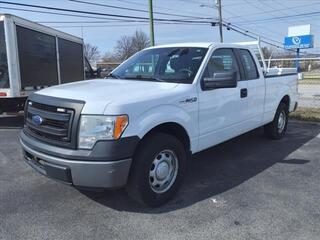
(222,111)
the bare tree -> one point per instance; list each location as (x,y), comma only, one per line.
(140,41)
(124,48)
(109,57)
(129,45)
(91,52)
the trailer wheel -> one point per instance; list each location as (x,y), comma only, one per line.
(158,169)
(277,128)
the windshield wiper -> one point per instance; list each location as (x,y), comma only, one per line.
(111,75)
(139,77)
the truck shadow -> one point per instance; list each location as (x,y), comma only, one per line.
(222,168)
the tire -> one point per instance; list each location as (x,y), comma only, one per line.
(151,166)
(278,127)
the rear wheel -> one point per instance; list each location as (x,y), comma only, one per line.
(158,169)
(277,128)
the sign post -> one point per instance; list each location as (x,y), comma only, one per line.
(297,60)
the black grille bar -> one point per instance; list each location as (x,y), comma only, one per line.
(63,117)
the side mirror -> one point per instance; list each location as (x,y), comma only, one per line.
(221,80)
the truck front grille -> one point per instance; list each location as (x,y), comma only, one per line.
(49,122)
(53,120)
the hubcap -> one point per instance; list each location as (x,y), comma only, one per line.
(281,122)
(163,171)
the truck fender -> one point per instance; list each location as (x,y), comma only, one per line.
(282,94)
(166,114)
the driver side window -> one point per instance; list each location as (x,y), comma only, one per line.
(222,60)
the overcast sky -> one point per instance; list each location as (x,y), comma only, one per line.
(248,14)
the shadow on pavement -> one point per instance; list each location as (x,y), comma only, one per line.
(222,168)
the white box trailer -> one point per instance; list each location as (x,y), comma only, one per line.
(34,56)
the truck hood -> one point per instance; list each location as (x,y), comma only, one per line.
(98,93)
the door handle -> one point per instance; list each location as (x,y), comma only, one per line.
(243,92)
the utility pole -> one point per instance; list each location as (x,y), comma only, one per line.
(151,22)
(218,5)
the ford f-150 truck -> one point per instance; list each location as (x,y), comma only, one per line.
(139,126)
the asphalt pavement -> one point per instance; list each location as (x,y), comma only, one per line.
(247,188)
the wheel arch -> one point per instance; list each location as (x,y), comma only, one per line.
(286,100)
(172,128)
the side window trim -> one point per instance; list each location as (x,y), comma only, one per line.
(206,64)
(244,69)
(243,76)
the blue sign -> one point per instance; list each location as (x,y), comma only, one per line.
(305,41)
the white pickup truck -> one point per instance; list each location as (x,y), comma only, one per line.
(139,126)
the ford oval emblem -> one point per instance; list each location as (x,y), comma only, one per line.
(37,120)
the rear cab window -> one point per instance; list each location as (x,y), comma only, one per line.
(4,74)
(249,65)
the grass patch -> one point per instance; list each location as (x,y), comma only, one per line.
(306,114)
(309,82)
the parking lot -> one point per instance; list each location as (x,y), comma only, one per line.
(247,188)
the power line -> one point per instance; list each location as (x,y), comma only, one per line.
(157,7)
(246,33)
(69,15)
(273,8)
(101,14)
(96,26)
(283,17)
(115,18)
(253,37)
(233,16)
(247,21)
(263,11)
(134,9)
(73,15)
(67,22)
(270,31)
(126,25)
(283,11)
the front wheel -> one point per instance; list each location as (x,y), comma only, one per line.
(158,169)
(277,128)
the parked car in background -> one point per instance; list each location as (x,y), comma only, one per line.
(139,127)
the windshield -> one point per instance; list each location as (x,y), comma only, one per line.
(178,65)
(4,76)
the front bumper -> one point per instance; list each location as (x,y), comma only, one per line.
(89,173)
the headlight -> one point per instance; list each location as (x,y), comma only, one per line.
(94,128)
